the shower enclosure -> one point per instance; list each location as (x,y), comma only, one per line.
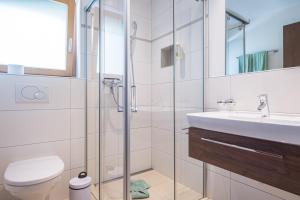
(144,72)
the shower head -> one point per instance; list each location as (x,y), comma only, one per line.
(134,29)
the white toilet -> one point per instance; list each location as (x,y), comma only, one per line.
(33,179)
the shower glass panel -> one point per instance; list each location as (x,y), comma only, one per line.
(188,87)
(165,71)
(91,60)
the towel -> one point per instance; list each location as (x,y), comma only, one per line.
(139,189)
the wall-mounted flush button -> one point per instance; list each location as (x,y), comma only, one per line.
(28,93)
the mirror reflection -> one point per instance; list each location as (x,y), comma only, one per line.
(262,35)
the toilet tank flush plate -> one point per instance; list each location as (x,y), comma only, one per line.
(31,93)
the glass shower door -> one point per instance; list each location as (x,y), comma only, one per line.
(162,58)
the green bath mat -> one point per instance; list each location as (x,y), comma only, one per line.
(139,189)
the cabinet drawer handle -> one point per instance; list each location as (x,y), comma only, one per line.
(244,148)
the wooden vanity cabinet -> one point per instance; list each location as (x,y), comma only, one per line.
(274,163)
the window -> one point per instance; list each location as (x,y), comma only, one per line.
(38,34)
(114,44)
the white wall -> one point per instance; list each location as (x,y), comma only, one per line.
(282,87)
(31,130)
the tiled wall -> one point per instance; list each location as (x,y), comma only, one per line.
(31,130)
(282,87)
(188,87)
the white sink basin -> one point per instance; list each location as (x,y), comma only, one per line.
(281,128)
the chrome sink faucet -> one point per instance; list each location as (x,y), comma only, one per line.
(263,106)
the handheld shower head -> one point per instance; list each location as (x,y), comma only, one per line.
(134,29)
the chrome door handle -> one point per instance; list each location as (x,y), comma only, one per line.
(119,98)
(243,148)
(133,99)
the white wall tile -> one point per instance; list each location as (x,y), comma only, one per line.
(77,93)
(216,89)
(218,186)
(77,123)
(58,88)
(33,126)
(189,94)
(241,191)
(77,153)
(263,187)
(92,146)
(192,176)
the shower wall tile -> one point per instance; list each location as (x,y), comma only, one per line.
(143,95)
(140,139)
(142,72)
(142,52)
(141,160)
(162,95)
(141,8)
(162,24)
(160,6)
(162,117)
(144,26)
(142,118)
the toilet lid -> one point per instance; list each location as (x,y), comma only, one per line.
(33,171)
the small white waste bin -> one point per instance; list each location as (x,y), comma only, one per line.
(80,187)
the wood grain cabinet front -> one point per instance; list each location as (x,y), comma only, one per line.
(274,163)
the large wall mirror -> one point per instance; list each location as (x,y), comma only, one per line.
(260,35)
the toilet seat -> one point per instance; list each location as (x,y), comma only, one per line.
(33,171)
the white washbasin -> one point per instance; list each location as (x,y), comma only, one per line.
(277,127)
